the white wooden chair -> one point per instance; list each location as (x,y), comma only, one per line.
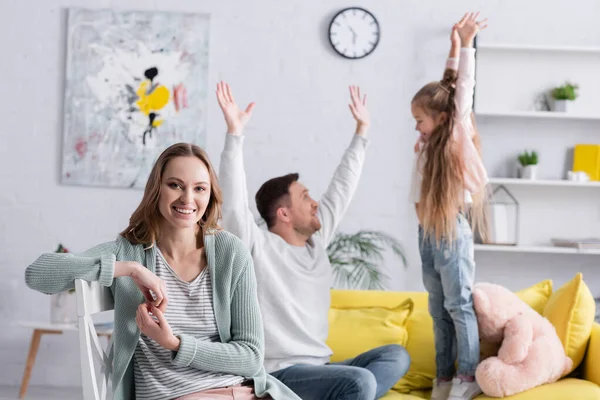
(92,298)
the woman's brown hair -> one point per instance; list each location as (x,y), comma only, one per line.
(144,224)
(442,187)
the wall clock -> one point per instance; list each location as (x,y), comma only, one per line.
(354,33)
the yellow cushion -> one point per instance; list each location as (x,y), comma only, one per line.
(353,331)
(374,298)
(537,296)
(576,389)
(420,331)
(571,309)
(421,343)
(421,349)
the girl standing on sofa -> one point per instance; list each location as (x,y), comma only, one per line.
(448,182)
(208,343)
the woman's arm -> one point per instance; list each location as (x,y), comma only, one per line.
(56,272)
(244,354)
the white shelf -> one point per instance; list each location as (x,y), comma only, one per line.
(542,182)
(534,249)
(537,114)
(551,49)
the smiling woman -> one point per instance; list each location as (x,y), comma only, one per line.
(182,193)
(209,341)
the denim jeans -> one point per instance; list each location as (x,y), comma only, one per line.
(448,275)
(366,377)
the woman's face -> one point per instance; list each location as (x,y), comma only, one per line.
(185,192)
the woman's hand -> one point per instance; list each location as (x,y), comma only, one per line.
(152,287)
(157,329)
(468,27)
(235,118)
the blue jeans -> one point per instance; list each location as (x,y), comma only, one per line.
(448,275)
(366,377)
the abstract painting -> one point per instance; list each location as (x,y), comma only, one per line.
(136,82)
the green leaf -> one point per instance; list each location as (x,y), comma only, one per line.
(527,158)
(355,258)
(568,91)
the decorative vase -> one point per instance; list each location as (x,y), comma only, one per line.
(63,308)
(529,172)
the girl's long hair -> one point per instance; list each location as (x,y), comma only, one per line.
(442,187)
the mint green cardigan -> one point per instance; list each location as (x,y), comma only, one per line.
(241,350)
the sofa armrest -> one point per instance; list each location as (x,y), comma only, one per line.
(591,367)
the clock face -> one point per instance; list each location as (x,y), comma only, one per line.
(354,33)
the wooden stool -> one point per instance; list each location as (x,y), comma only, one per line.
(46,328)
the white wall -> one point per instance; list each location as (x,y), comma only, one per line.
(275,53)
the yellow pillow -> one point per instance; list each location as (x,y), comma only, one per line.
(421,349)
(352,331)
(537,295)
(571,309)
(420,344)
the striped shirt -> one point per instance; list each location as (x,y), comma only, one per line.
(190,311)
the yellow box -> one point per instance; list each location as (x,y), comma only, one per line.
(587,159)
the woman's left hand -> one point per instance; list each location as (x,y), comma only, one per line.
(157,330)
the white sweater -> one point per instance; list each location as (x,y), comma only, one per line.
(293,282)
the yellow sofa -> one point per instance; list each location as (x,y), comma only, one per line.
(409,312)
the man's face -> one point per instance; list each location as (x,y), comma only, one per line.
(303,210)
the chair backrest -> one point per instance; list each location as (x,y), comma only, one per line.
(92,298)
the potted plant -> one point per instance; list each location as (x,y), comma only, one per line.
(356,259)
(563,96)
(529,162)
(63,305)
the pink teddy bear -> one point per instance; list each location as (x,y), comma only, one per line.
(530,354)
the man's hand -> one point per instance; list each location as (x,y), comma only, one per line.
(235,118)
(358,107)
(468,27)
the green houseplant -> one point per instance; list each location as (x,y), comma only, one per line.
(564,96)
(529,162)
(356,259)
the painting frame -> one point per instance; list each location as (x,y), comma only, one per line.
(135,83)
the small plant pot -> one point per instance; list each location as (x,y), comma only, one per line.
(563,105)
(529,172)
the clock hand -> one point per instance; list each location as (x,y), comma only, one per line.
(354,35)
